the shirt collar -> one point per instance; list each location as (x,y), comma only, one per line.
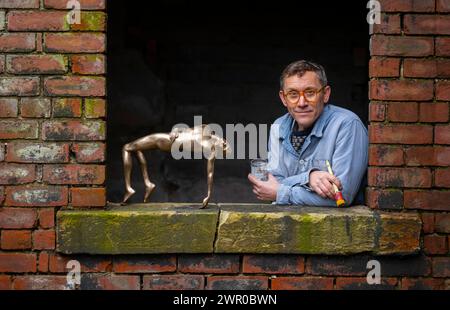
(318,129)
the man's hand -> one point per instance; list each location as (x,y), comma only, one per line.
(322,183)
(265,190)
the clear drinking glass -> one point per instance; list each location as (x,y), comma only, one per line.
(259,169)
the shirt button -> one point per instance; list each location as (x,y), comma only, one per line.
(302,161)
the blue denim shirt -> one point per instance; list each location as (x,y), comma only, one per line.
(339,136)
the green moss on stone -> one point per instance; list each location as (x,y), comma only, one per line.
(118,232)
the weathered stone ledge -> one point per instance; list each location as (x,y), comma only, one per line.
(236,228)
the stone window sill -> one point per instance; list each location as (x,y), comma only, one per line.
(236,228)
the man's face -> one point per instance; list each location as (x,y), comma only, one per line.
(303,111)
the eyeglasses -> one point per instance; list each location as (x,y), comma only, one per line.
(310,95)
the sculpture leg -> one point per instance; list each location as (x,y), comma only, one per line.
(149,186)
(210,176)
(127,166)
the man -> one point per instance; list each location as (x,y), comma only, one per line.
(304,138)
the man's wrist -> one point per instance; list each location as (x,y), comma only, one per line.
(283,193)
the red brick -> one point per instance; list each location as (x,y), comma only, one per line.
(147,264)
(443,90)
(2,57)
(8,107)
(88,64)
(75,86)
(442,177)
(401,46)
(442,46)
(19,86)
(377,112)
(36,64)
(403,112)
(37,21)
(109,282)
(442,5)
(89,152)
(273,264)
(422,284)
(90,21)
(44,239)
(442,223)
(16,218)
(399,177)
(47,218)
(237,283)
(17,173)
(72,130)
(85,4)
(390,24)
(442,134)
(16,239)
(88,197)
(88,263)
(94,108)
(434,244)
(35,107)
(408,90)
(428,156)
(441,267)
(402,134)
(37,152)
(174,282)
(36,196)
(67,107)
(43,262)
(74,174)
(40,282)
(5,282)
(17,262)
(419,68)
(428,222)
(210,263)
(385,199)
(407,6)
(427,200)
(39,43)
(426,24)
(361,284)
(302,283)
(434,112)
(426,68)
(75,42)
(19,4)
(384,67)
(17,42)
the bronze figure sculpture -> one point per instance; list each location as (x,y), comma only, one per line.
(197,139)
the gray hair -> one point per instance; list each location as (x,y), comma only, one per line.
(300,67)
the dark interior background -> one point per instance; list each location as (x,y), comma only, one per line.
(173,59)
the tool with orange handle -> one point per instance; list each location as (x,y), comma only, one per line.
(337,193)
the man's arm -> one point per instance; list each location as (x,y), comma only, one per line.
(349,165)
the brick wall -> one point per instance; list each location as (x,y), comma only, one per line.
(52,128)
(409,116)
